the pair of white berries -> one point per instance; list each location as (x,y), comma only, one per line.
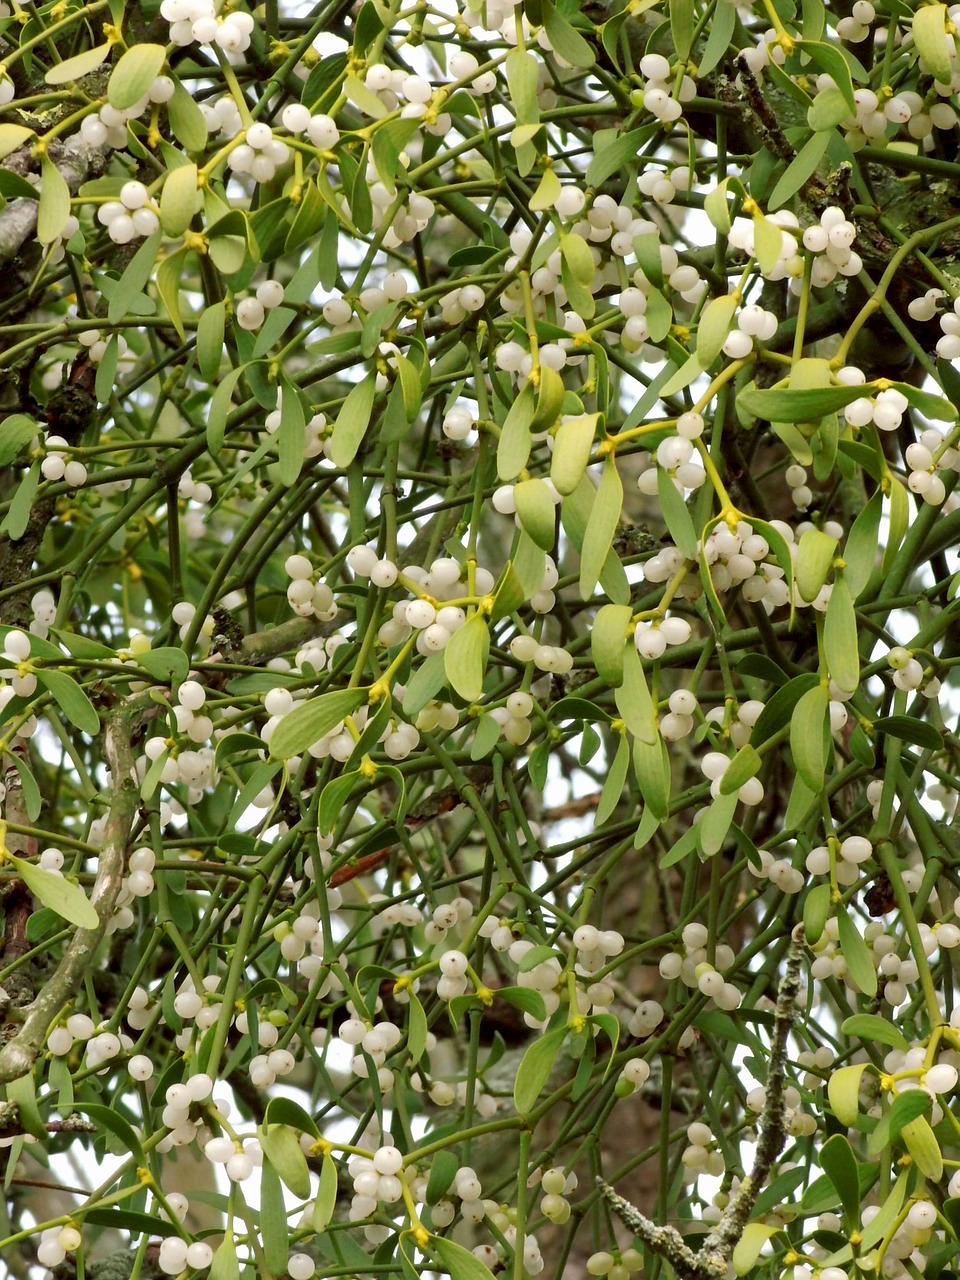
(251,312)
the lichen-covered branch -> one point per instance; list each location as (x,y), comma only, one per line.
(711,1260)
(19,1054)
(18,221)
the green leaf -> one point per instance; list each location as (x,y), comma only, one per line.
(601,526)
(719,35)
(828,109)
(676,516)
(225,1265)
(840,1165)
(682,22)
(713,826)
(755,1235)
(612,157)
(522,77)
(816,552)
(179,199)
(572,446)
(326,1200)
(18,514)
(388,142)
(860,549)
(924,1148)
(131,284)
(682,848)
(425,683)
(166,664)
(534,1069)
(458,1261)
(574,514)
(13,136)
(565,39)
(444,1167)
(840,652)
(513,449)
(744,766)
(716,208)
(577,269)
(930,38)
(651,765)
(856,953)
(71,699)
(831,60)
(809,736)
(80,65)
(536,512)
(210,347)
(804,163)
(785,404)
(273,1220)
(614,783)
(312,720)
(906,1108)
(843,1091)
(778,710)
(220,406)
(465,657)
(525,999)
(54,207)
(186,120)
(715,322)
(283,1110)
(57,893)
(133,75)
(32,799)
(767,243)
(816,912)
(293,433)
(909,729)
(874,1030)
(16,432)
(608,639)
(633,698)
(485,737)
(281,1146)
(23,1093)
(550,395)
(332,799)
(416,1030)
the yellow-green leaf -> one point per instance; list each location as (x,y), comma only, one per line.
(601,526)
(571,451)
(923,1146)
(178,200)
(11,137)
(54,208)
(809,736)
(840,641)
(536,512)
(816,552)
(747,1250)
(465,658)
(714,326)
(513,449)
(577,271)
(550,393)
(930,37)
(133,75)
(77,67)
(767,243)
(60,895)
(352,423)
(608,641)
(843,1092)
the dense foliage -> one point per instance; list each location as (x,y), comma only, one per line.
(479,761)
